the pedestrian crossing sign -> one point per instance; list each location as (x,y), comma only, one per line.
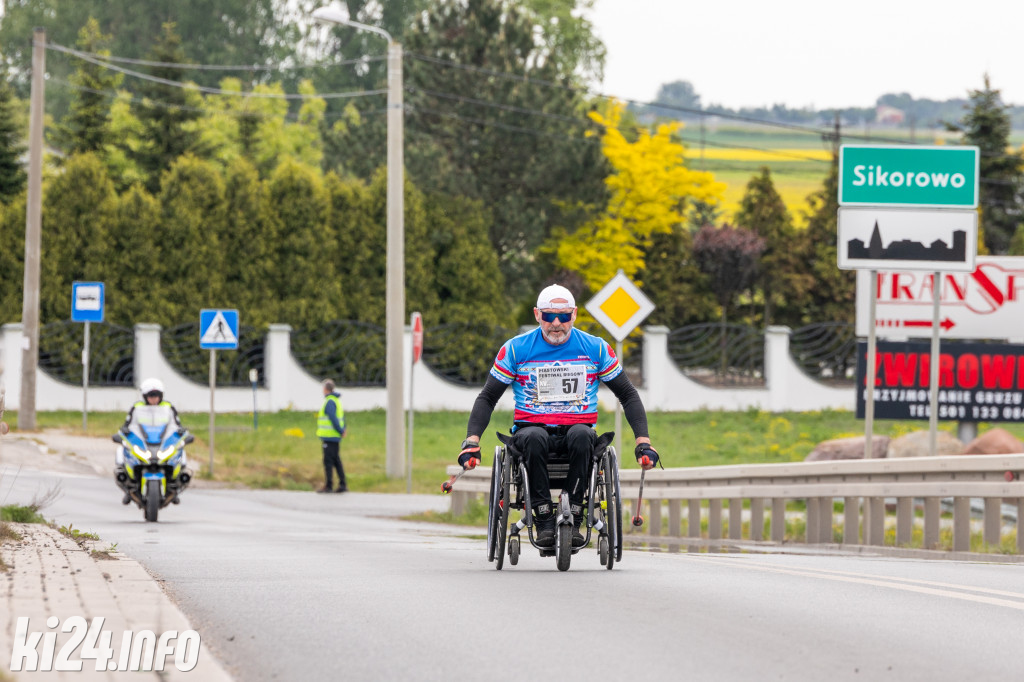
(218,329)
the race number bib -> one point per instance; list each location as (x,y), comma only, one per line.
(561,383)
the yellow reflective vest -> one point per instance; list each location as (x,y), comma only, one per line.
(324,426)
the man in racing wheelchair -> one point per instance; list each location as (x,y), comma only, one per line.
(554,371)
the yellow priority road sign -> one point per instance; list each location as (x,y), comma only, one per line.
(620,306)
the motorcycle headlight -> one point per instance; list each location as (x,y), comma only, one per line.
(140,453)
(171,452)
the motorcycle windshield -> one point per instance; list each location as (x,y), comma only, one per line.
(152,421)
(153,434)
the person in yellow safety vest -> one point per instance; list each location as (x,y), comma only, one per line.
(330,429)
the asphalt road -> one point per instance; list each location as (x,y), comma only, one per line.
(299,586)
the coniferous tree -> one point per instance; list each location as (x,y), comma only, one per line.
(166,112)
(86,127)
(248,243)
(79,205)
(763,211)
(987,125)
(12,259)
(12,175)
(832,295)
(305,286)
(361,248)
(190,271)
(134,287)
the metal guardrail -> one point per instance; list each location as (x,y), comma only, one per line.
(863,485)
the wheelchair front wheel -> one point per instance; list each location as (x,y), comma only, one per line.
(563,547)
(602,550)
(513,551)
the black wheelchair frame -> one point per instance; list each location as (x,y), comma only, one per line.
(602,503)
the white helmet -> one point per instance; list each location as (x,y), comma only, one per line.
(152,385)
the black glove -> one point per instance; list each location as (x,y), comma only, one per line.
(645,450)
(470,455)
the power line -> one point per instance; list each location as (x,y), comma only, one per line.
(211,67)
(215,91)
(128,97)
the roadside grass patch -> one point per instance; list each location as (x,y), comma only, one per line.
(80,537)
(17,513)
(107,553)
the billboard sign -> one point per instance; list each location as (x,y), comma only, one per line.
(977,382)
(987,303)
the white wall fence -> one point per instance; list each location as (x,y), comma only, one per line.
(718,494)
(288,386)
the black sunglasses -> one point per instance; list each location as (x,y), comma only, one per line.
(551,317)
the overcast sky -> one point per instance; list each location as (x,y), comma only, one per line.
(809,52)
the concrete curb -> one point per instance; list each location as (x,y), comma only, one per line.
(50,574)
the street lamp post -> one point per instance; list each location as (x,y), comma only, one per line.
(395,289)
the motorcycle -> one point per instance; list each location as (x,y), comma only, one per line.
(155,468)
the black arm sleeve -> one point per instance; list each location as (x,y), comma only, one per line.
(483,406)
(632,407)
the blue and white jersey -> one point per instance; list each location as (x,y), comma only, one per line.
(555,384)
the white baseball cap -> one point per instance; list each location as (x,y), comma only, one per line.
(550,293)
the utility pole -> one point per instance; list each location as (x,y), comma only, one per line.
(33,231)
(834,138)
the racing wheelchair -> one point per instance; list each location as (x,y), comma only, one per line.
(510,489)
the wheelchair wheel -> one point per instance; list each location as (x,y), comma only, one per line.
(501,509)
(602,550)
(563,547)
(513,551)
(493,508)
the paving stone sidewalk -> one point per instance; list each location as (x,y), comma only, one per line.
(49,574)
(46,574)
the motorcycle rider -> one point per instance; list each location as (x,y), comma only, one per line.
(152,410)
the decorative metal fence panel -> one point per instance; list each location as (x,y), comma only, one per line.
(111,353)
(180,347)
(827,351)
(719,355)
(352,353)
(463,353)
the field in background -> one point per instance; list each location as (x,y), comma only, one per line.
(798,160)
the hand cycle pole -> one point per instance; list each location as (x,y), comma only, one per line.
(213,380)
(85,380)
